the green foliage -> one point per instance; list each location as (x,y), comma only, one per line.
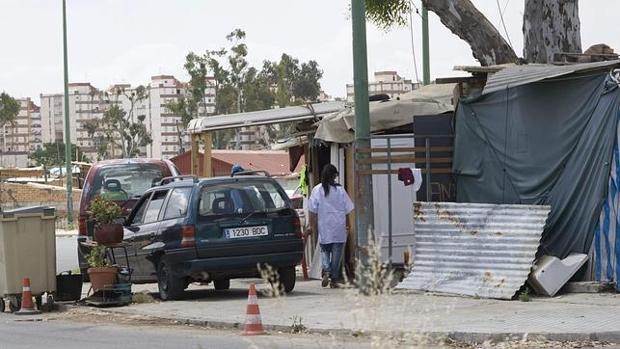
(53,154)
(104,211)
(297,326)
(124,128)
(9,108)
(256,91)
(240,87)
(524,296)
(96,258)
(306,84)
(388,13)
(295,83)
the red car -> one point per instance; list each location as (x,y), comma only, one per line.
(122,181)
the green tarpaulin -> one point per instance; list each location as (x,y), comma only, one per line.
(547,142)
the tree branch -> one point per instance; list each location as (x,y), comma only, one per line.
(465,21)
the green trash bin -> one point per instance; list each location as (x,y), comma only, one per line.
(27,249)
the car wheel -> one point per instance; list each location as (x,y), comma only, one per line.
(221,284)
(287,278)
(170,286)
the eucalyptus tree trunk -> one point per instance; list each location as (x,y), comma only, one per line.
(464,20)
(549,27)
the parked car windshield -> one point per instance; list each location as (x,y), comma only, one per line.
(241,198)
(124,182)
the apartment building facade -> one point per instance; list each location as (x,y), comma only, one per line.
(21,137)
(87,103)
(385,82)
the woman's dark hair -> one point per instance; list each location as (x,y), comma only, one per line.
(328,177)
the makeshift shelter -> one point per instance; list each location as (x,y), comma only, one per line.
(389,114)
(548,135)
(393,146)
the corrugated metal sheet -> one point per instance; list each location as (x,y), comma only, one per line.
(263,117)
(517,75)
(469,249)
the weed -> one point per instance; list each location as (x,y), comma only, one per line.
(142,298)
(297,326)
(372,277)
(524,296)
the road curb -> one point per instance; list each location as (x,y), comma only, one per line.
(463,337)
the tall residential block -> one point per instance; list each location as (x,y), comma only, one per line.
(21,137)
(88,103)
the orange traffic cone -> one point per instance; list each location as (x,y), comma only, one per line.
(253,324)
(27,307)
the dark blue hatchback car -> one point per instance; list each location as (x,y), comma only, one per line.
(215,229)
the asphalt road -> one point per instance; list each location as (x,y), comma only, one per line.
(57,334)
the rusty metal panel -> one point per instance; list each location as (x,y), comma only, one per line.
(480,250)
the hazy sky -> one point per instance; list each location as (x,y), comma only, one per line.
(127,41)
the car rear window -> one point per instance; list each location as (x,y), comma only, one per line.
(127,181)
(241,197)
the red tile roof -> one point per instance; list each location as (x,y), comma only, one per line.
(273,161)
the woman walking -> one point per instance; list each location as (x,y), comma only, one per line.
(329,204)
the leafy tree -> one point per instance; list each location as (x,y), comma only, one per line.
(387,13)
(257,93)
(53,154)
(238,63)
(549,27)
(295,83)
(124,128)
(93,128)
(306,85)
(9,108)
(240,87)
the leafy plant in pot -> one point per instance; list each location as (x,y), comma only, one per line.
(106,213)
(100,271)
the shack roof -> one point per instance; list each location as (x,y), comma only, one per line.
(503,76)
(263,117)
(427,100)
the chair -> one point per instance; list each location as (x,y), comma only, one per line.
(113,191)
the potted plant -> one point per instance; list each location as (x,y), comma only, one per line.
(100,271)
(106,213)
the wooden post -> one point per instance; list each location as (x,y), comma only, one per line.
(194,155)
(207,170)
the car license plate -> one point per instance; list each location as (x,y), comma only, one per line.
(245,232)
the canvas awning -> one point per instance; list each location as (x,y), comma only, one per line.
(263,117)
(427,100)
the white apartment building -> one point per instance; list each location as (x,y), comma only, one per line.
(385,82)
(87,102)
(20,138)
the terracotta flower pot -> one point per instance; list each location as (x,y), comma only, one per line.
(109,234)
(102,277)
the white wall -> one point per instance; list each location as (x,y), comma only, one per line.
(403,198)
